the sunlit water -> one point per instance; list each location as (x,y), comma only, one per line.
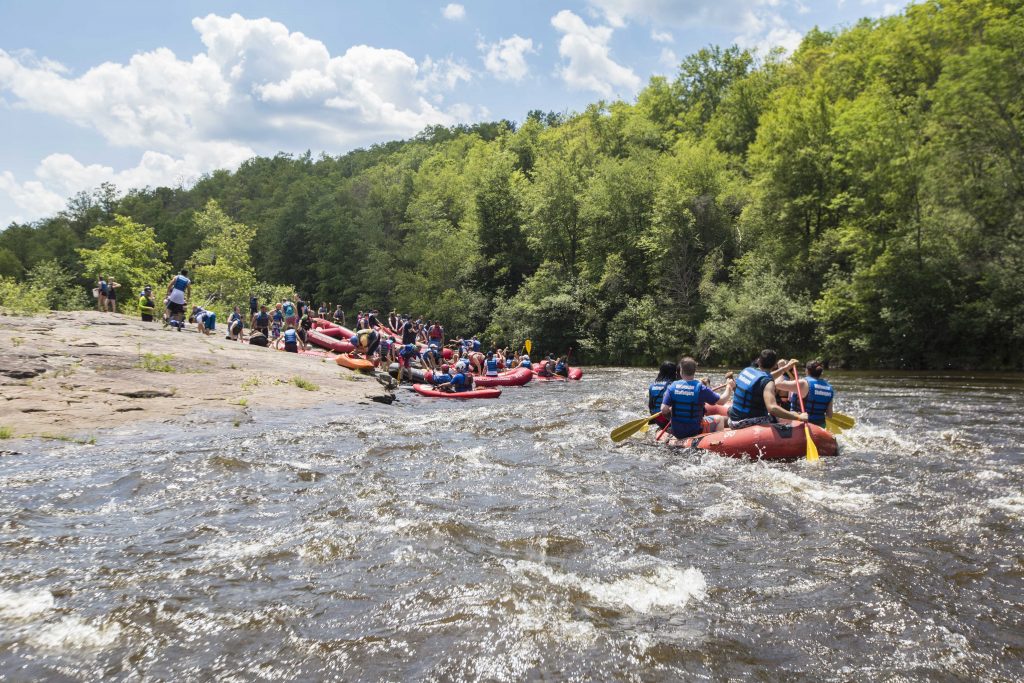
(509,539)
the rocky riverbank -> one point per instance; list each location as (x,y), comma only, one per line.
(73,374)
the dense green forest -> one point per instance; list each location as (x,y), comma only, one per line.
(861,200)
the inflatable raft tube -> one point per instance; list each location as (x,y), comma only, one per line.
(360,364)
(782,441)
(509,378)
(482,392)
(574,373)
(320,339)
(415,374)
(317,353)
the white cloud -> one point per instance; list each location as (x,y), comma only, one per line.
(257,88)
(453,11)
(669,59)
(762,32)
(587,62)
(506,59)
(661,36)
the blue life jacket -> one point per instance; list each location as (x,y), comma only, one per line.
(440,378)
(492,366)
(461,382)
(278,316)
(526,364)
(408,351)
(476,344)
(819,396)
(181,282)
(748,397)
(559,368)
(655,394)
(103,286)
(687,408)
(262,319)
(290,336)
(289,309)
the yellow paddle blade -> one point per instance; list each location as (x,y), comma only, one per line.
(832,426)
(630,428)
(647,425)
(812,449)
(529,347)
(843,421)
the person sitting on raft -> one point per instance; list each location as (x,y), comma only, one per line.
(442,377)
(292,340)
(562,366)
(754,400)
(816,392)
(235,325)
(525,362)
(461,381)
(684,401)
(365,342)
(667,373)
(546,367)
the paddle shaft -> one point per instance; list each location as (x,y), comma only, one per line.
(812,450)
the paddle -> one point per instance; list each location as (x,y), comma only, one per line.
(658,437)
(843,421)
(812,450)
(627,430)
(832,426)
(529,346)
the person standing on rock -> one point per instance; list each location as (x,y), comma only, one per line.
(101,294)
(146,305)
(178,291)
(112,295)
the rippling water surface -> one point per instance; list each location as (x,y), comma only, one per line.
(509,539)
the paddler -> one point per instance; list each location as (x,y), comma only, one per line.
(442,377)
(754,400)
(491,365)
(816,392)
(667,373)
(684,402)
(146,304)
(460,381)
(562,367)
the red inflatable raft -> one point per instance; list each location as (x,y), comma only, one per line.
(483,392)
(574,373)
(320,339)
(783,441)
(516,377)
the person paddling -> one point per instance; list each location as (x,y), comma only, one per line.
(667,373)
(754,399)
(816,392)
(684,402)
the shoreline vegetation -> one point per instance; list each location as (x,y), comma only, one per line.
(860,200)
(71,375)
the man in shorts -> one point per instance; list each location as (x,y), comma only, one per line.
(178,291)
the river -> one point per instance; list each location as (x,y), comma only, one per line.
(510,540)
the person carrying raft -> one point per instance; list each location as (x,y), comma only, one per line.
(816,392)
(684,402)
(754,400)
(365,342)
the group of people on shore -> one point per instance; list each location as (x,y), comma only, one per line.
(763,393)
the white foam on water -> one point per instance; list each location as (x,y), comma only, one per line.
(73,633)
(792,484)
(989,475)
(1011,504)
(24,605)
(664,588)
(245,550)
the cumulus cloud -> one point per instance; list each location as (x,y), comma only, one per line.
(587,62)
(763,32)
(506,59)
(661,36)
(257,88)
(453,11)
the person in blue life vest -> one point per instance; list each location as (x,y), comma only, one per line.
(525,362)
(101,293)
(261,322)
(291,339)
(491,365)
(816,392)
(562,366)
(254,305)
(290,312)
(276,321)
(460,381)
(754,400)
(179,289)
(406,353)
(206,321)
(235,325)
(431,357)
(667,373)
(442,377)
(684,400)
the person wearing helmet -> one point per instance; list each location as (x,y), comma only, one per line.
(365,342)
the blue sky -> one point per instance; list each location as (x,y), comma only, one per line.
(145,93)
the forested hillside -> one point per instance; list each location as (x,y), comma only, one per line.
(861,200)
